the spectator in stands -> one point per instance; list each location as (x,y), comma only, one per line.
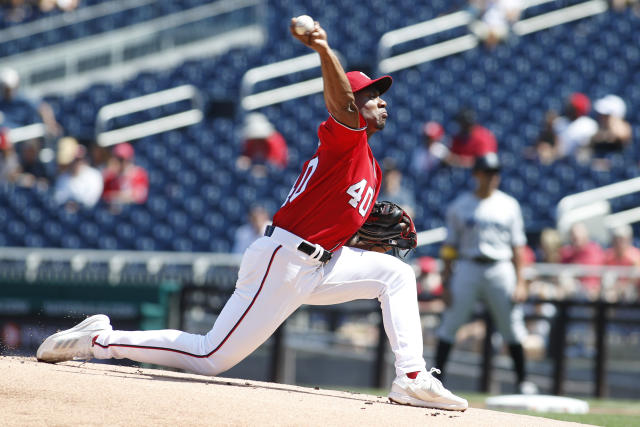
(248,233)
(393,190)
(494,19)
(100,156)
(581,250)
(9,162)
(545,149)
(622,5)
(19,110)
(16,10)
(575,129)
(64,5)
(124,181)
(622,252)
(78,184)
(34,172)
(614,132)
(262,144)
(546,285)
(428,276)
(433,150)
(472,140)
(550,244)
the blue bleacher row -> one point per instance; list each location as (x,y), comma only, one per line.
(198,197)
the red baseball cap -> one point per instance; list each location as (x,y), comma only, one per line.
(359,80)
(427,264)
(580,102)
(433,130)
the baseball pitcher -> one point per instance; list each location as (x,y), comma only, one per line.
(302,259)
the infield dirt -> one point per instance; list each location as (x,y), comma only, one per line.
(90,394)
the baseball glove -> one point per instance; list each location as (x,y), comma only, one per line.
(388,227)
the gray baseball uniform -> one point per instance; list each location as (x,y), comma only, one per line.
(484,232)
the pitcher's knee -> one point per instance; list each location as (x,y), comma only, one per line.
(400,277)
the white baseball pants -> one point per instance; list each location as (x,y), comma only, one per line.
(491,284)
(273,281)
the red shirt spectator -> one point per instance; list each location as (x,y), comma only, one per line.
(471,141)
(622,252)
(477,143)
(583,251)
(272,149)
(262,143)
(124,182)
(589,254)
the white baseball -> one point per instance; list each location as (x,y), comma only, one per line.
(304,23)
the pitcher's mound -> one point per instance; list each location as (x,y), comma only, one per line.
(77,393)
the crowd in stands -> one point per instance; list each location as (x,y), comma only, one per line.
(577,134)
(16,11)
(78,178)
(494,19)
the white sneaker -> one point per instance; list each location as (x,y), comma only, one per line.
(425,391)
(74,343)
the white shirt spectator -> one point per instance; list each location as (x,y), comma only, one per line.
(573,135)
(83,187)
(425,159)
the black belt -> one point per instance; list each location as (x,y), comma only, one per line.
(484,260)
(305,247)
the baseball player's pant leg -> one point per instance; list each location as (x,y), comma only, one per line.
(273,281)
(357,274)
(465,286)
(500,283)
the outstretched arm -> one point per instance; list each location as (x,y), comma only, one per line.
(338,96)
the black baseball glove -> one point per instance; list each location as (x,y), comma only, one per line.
(388,227)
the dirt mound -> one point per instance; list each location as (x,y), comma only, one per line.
(76,393)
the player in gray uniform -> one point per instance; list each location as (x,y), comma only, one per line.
(482,257)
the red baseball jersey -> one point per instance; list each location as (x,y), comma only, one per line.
(478,143)
(335,192)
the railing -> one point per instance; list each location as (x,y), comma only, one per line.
(559,17)
(159,43)
(592,207)
(198,263)
(66,19)
(25,133)
(253,76)
(389,64)
(151,127)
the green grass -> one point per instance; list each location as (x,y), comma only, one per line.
(602,412)
(605,420)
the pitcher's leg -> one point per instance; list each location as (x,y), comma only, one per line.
(260,303)
(207,354)
(357,274)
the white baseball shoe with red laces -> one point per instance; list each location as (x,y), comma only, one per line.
(425,391)
(74,343)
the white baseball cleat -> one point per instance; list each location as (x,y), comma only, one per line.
(74,343)
(425,391)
